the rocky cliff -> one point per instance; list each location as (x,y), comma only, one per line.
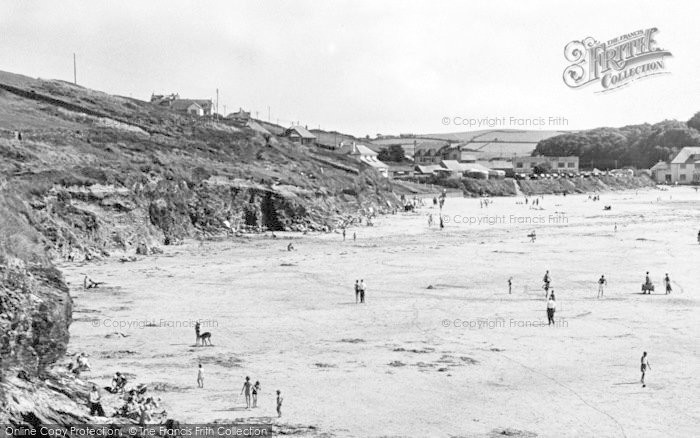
(96,175)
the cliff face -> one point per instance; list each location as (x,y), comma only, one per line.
(96,175)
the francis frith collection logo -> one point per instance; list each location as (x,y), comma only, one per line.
(614,63)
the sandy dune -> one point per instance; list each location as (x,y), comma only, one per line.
(399,365)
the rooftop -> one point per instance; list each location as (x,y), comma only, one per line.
(686,155)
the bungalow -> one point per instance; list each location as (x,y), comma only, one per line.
(471,170)
(189,107)
(365,155)
(685,167)
(299,134)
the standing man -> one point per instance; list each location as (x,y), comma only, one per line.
(667,283)
(510,285)
(246,389)
(551,308)
(200,377)
(357,291)
(362,291)
(95,402)
(645,367)
(601,285)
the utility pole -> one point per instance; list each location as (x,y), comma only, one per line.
(75,71)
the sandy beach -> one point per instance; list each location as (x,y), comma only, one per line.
(440,348)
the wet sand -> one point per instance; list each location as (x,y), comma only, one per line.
(460,358)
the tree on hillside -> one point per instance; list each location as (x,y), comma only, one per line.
(393,153)
(634,145)
(694,121)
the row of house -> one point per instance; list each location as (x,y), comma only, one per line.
(683,169)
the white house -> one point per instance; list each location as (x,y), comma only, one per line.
(685,167)
(365,155)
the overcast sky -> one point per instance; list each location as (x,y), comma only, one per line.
(362,67)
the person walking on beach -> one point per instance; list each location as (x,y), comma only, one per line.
(601,285)
(256,390)
(279,403)
(200,377)
(246,389)
(551,308)
(645,367)
(95,402)
(647,284)
(546,279)
(667,283)
(357,291)
(363,287)
(510,285)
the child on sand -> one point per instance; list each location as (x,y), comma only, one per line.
(200,377)
(601,285)
(279,403)
(645,367)
(256,389)
(246,389)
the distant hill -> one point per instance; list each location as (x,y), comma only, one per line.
(486,144)
(639,146)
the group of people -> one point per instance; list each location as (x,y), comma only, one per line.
(648,286)
(360,288)
(251,392)
(136,405)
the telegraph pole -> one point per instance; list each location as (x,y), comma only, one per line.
(75,71)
